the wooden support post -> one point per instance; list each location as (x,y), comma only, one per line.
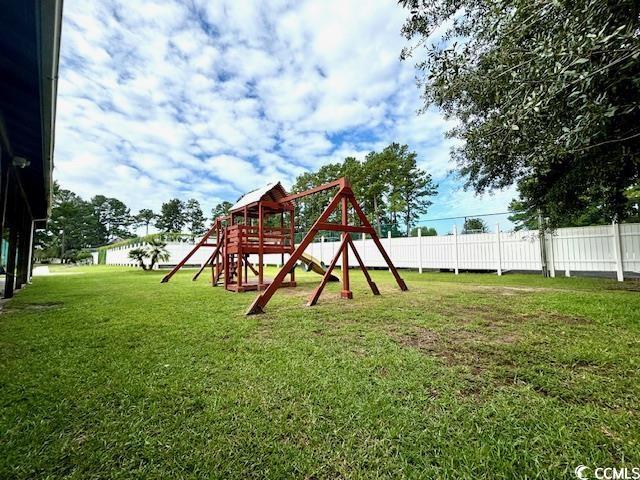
(292,240)
(372,285)
(214,262)
(260,246)
(389,240)
(313,298)
(346,292)
(226,260)
(220,258)
(281,226)
(239,261)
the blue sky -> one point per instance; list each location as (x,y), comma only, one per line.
(162,99)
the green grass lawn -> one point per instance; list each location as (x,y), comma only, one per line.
(109,374)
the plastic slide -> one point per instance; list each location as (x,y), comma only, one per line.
(315,265)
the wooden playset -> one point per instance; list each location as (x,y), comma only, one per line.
(262,222)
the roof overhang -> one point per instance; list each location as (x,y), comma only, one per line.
(29,58)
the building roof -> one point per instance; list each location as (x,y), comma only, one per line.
(271,191)
(29,58)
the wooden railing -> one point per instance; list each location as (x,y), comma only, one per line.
(248,236)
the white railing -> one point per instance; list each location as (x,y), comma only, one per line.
(606,248)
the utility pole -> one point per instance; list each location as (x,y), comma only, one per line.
(543,246)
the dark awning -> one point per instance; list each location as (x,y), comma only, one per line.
(29,51)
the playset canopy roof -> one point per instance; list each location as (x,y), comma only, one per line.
(273,192)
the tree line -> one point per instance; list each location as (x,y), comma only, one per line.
(76,225)
(391,188)
(393,192)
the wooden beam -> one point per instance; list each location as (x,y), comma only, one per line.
(211,260)
(337,227)
(320,188)
(204,239)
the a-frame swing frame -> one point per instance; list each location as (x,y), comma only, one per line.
(343,199)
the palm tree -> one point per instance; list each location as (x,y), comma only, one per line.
(157,251)
(138,254)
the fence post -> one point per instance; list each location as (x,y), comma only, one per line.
(617,248)
(543,245)
(419,250)
(552,255)
(321,247)
(389,251)
(455,249)
(364,242)
(498,253)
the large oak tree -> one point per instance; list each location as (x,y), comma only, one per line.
(546,95)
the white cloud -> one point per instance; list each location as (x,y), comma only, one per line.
(162,99)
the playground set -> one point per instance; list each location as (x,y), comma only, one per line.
(262,222)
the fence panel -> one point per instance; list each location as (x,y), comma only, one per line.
(630,241)
(586,249)
(520,250)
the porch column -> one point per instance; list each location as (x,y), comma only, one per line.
(9,281)
(24,240)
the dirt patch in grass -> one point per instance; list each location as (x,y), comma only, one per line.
(31,307)
(478,353)
(457,347)
(509,291)
(494,315)
(627,285)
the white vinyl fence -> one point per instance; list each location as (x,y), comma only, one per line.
(606,248)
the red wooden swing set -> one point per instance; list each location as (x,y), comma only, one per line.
(249,230)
